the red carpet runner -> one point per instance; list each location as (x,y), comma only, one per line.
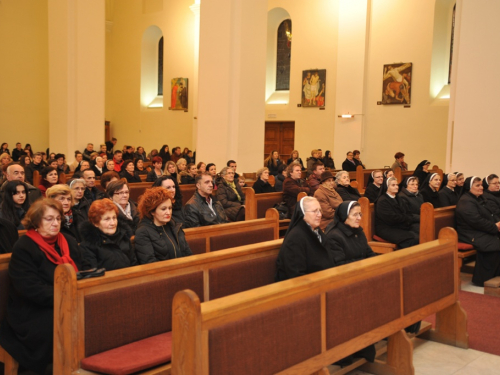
(483,317)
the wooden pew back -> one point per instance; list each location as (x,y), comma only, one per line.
(432,220)
(300,326)
(368,225)
(256,205)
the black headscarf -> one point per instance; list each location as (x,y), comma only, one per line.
(485,180)
(371,180)
(342,213)
(427,180)
(405,182)
(467,184)
(383,188)
(297,217)
(445,180)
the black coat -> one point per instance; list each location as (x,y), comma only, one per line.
(187,180)
(301,253)
(27,331)
(410,202)
(347,244)
(393,223)
(74,229)
(447,197)
(153,243)
(329,163)
(135,217)
(273,169)
(278,183)
(197,213)
(431,196)
(261,187)
(105,251)
(152,177)
(348,193)
(493,202)
(349,166)
(91,194)
(371,192)
(8,236)
(227,197)
(298,160)
(82,210)
(130,178)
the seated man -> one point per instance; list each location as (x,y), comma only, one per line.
(314,180)
(292,186)
(16,172)
(189,176)
(232,164)
(88,151)
(118,160)
(202,209)
(349,164)
(91,192)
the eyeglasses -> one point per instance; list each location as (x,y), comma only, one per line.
(122,193)
(316,212)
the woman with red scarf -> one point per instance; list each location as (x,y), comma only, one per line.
(26,332)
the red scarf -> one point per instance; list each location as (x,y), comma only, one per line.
(50,251)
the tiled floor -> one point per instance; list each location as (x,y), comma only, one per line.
(432,358)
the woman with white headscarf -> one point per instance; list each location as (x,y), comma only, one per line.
(303,250)
(447,194)
(429,189)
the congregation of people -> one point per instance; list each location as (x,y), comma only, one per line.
(91,222)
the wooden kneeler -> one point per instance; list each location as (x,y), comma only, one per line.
(492,287)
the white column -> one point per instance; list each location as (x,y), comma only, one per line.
(76,74)
(352,47)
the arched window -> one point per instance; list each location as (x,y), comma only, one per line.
(160,67)
(283,55)
(452,39)
(152,68)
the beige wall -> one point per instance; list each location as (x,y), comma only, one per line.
(24,103)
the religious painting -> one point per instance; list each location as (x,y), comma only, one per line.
(313,88)
(179,94)
(396,87)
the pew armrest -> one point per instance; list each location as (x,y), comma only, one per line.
(382,247)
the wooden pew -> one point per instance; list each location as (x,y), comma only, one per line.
(432,220)
(300,326)
(36,178)
(368,224)
(96,315)
(10,364)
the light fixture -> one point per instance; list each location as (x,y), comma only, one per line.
(346,116)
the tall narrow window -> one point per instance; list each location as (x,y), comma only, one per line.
(452,39)
(283,55)
(160,66)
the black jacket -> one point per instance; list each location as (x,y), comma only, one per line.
(301,253)
(349,166)
(278,182)
(187,180)
(153,243)
(28,171)
(27,331)
(130,178)
(105,251)
(329,163)
(91,194)
(8,236)
(371,192)
(476,223)
(447,197)
(273,169)
(348,193)
(298,160)
(431,196)
(261,187)
(392,222)
(347,244)
(97,172)
(82,210)
(152,177)
(410,202)
(227,197)
(197,213)
(135,217)
(493,202)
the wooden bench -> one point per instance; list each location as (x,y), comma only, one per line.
(223,236)
(300,326)
(10,364)
(380,245)
(432,220)
(125,306)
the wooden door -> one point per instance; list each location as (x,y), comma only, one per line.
(279,136)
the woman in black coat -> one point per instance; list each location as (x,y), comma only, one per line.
(230,195)
(491,192)
(273,162)
(119,193)
(447,194)
(344,188)
(421,171)
(294,158)
(27,330)
(328,160)
(158,236)
(375,181)
(304,247)
(262,184)
(164,154)
(429,190)
(106,241)
(129,173)
(170,184)
(392,222)
(476,225)
(409,197)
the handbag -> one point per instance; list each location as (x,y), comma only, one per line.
(282,209)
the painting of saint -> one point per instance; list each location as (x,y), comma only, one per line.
(313,88)
(179,94)
(396,86)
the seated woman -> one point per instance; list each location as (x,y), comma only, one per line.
(230,195)
(159,237)
(328,160)
(392,222)
(262,184)
(128,172)
(447,194)
(375,181)
(171,170)
(27,331)
(346,240)
(156,172)
(181,165)
(328,198)
(106,241)
(164,154)
(280,178)
(460,182)
(71,222)
(84,165)
(294,157)
(476,225)
(421,171)
(201,167)
(303,250)
(119,193)
(409,197)
(172,187)
(212,169)
(139,167)
(272,162)
(80,204)
(344,188)
(491,193)
(15,203)
(49,178)
(429,189)
(106,178)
